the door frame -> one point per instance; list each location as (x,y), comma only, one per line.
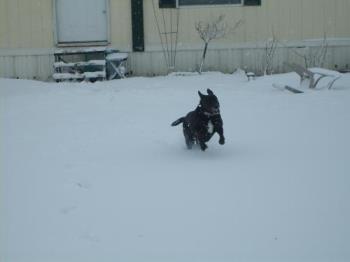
(90,43)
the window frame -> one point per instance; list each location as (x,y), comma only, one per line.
(207,5)
(175,4)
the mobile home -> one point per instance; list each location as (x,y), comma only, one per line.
(160,35)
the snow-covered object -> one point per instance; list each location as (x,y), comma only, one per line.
(63,64)
(240,74)
(75,50)
(325,71)
(251,76)
(71,71)
(65,76)
(77,76)
(92,63)
(96,74)
(117,56)
(94,172)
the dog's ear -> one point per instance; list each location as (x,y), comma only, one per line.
(210,92)
(200,94)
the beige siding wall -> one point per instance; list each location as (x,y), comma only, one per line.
(29,23)
(120,14)
(290,20)
(26,24)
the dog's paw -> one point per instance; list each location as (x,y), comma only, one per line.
(222,141)
(203,147)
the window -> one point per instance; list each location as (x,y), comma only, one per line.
(252,2)
(176,3)
(209,2)
(167,3)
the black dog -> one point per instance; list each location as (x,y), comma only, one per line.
(201,124)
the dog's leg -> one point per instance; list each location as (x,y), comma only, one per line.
(189,141)
(188,138)
(201,138)
(203,145)
(220,131)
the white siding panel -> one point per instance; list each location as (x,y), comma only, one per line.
(228,60)
(27,66)
(152,63)
(7,66)
(45,66)
(341,57)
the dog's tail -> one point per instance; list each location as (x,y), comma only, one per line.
(177,122)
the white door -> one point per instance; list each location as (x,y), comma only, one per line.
(81,21)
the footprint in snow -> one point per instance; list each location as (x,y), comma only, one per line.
(83,185)
(90,237)
(68,209)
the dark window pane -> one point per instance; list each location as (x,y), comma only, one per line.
(167,3)
(209,2)
(252,2)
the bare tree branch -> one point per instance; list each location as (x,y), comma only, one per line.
(209,31)
(270,50)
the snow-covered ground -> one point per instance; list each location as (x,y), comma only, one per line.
(95,172)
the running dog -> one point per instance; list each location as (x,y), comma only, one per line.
(201,124)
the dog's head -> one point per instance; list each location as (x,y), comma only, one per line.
(209,103)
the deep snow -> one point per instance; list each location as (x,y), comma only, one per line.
(94,172)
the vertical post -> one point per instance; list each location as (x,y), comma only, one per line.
(138,41)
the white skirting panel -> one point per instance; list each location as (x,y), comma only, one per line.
(27,66)
(39,65)
(228,60)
